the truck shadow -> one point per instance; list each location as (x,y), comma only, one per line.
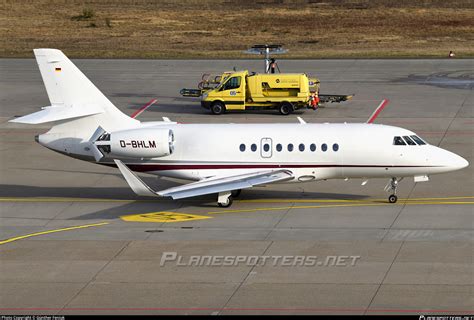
(196,109)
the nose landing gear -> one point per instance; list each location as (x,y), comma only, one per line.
(392,187)
(392,198)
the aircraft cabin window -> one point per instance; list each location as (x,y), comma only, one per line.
(301,147)
(253,147)
(409,141)
(418,140)
(324,147)
(398,141)
(279,147)
(335,147)
(312,147)
(232,83)
(242,147)
(266,147)
(290,147)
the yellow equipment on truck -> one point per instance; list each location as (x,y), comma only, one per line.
(285,92)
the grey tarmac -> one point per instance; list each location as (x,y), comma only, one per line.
(415,256)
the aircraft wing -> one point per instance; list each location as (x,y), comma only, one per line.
(206,186)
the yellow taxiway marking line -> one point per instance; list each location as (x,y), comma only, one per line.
(51,231)
(300,207)
(51,199)
(345,200)
(342,205)
(163,216)
(167,217)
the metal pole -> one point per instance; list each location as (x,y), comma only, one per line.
(267,60)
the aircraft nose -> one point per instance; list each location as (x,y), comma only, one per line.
(447,160)
(455,162)
(459,162)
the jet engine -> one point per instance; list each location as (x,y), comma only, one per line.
(136,143)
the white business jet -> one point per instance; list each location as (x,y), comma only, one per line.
(222,159)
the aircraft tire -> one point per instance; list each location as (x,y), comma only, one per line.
(392,198)
(236,193)
(226,204)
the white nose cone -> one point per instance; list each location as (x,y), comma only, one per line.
(453,162)
(446,161)
(458,162)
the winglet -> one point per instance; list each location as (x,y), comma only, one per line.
(137,185)
(377,111)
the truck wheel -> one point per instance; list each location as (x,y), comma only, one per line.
(217,107)
(286,108)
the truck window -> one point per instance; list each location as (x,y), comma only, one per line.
(232,83)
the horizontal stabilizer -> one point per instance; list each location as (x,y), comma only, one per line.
(56,113)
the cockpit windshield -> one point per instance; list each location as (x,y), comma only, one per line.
(418,140)
(398,141)
(408,140)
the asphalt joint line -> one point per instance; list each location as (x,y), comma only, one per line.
(403,206)
(243,281)
(384,277)
(452,120)
(283,216)
(93,279)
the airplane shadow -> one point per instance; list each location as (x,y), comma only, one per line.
(141,205)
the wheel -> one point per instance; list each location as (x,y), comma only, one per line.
(226,204)
(392,198)
(286,108)
(217,107)
(236,193)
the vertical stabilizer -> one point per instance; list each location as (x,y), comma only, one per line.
(73,95)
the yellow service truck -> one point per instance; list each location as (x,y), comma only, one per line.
(285,92)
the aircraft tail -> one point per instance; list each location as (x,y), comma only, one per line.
(73,95)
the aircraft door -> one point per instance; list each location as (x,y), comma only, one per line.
(266,148)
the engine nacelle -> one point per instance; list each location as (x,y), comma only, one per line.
(137,143)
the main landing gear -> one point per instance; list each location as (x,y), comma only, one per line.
(225,199)
(392,187)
